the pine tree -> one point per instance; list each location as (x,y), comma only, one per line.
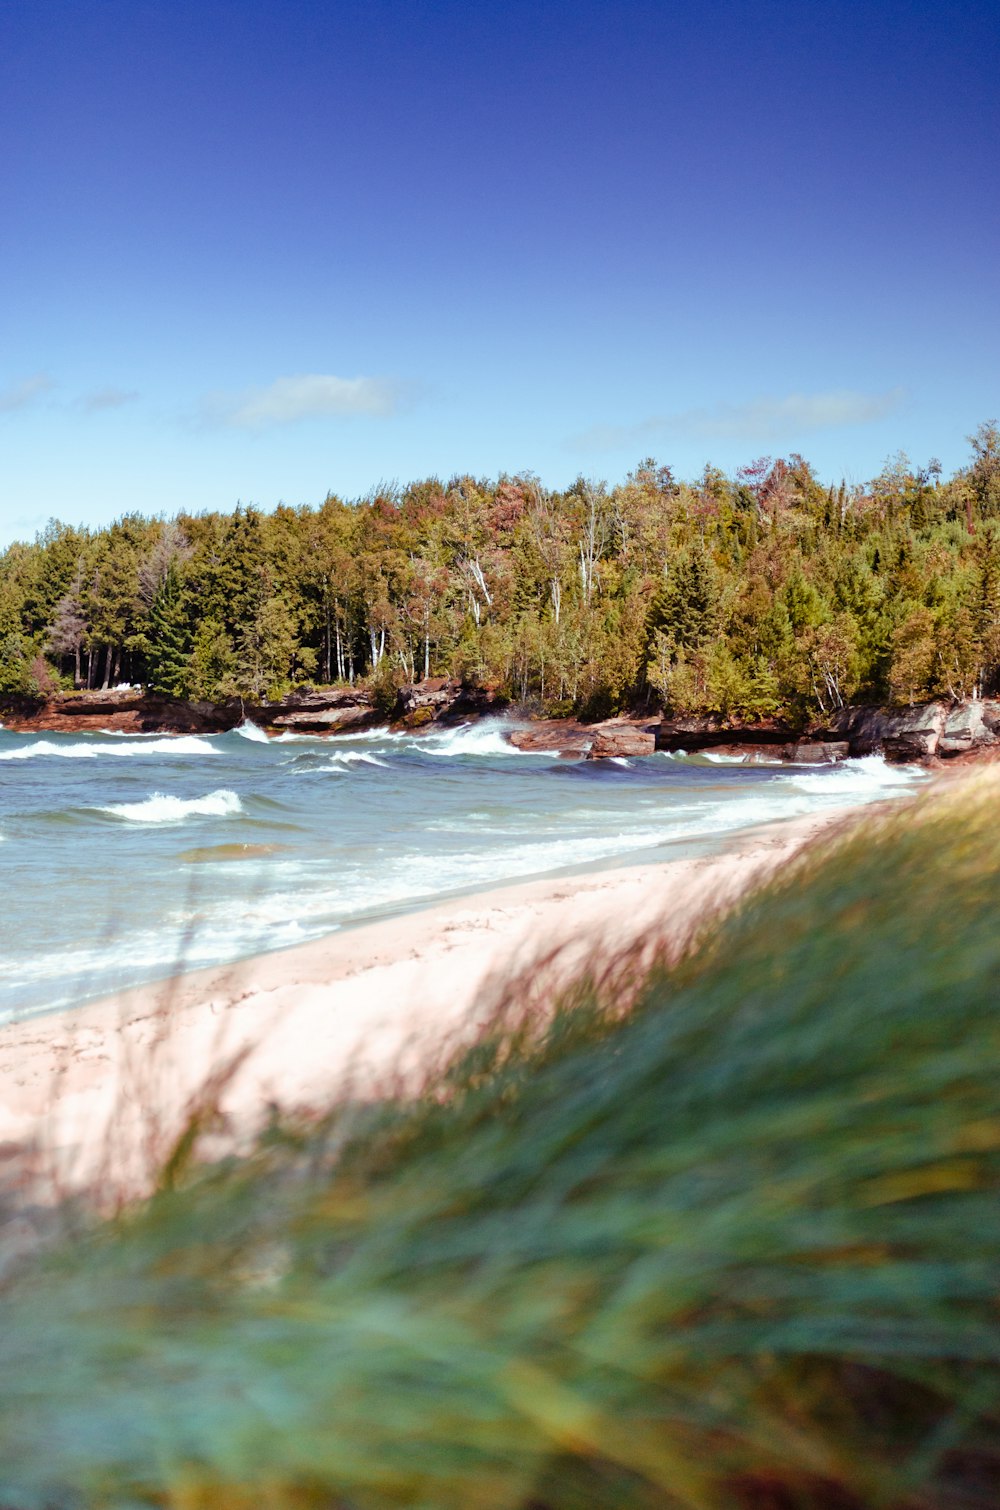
(169,641)
(14,648)
(265,648)
(686,607)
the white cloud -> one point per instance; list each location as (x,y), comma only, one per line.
(761,419)
(310,395)
(107,398)
(27,391)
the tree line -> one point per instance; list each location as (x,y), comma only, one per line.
(768,592)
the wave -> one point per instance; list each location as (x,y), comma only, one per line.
(362,735)
(343,758)
(485,738)
(129,733)
(179,744)
(866,775)
(253,732)
(161,808)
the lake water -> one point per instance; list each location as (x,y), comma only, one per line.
(124,855)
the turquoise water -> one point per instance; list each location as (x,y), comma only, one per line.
(122,856)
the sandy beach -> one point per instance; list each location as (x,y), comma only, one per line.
(102,1091)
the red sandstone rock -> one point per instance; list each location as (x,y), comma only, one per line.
(617,744)
(546,735)
(823,752)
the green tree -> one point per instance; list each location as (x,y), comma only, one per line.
(266,649)
(914,653)
(685,607)
(169,640)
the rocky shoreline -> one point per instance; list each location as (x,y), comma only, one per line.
(931,733)
(329,710)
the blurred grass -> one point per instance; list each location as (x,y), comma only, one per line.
(737,1249)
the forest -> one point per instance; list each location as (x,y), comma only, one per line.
(769,592)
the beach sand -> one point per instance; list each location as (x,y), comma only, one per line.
(101,1092)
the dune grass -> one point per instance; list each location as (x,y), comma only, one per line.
(735,1249)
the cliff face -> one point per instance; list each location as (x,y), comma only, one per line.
(940,730)
(328,711)
(931,731)
(136,713)
(125,712)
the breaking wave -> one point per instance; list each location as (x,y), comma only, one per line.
(253,732)
(861,777)
(485,738)
(343,758)
(161,808)
(181,744)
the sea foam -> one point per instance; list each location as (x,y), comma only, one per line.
(253,732)
(182,744)
(342,758)
(162,808)
(867,775)
(486,738)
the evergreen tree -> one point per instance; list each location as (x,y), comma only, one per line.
(265,649)
(168,643)
(685,608)
(760,593)
(15,649)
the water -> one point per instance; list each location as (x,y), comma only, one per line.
(122,855)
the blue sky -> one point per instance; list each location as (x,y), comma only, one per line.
(259,251)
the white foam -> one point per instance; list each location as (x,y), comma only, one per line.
(867,776)
(178,744)
(290,736)
(250,731)
(484,738)
(344,758)
(161,808)
(355,736)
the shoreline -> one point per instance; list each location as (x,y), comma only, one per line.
(100,1092)
(933,733)
(651,857)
